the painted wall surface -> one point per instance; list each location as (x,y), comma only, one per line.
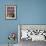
(28,12)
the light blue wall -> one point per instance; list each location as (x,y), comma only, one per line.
(28,12)
(33,12)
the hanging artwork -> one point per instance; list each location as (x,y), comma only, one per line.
(10,12)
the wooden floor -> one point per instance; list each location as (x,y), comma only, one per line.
(30,43)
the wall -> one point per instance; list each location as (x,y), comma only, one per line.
(28,12)
(33,12)
(7,26)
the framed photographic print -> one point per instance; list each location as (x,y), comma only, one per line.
(10,12)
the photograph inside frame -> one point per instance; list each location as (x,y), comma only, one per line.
(11,12)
